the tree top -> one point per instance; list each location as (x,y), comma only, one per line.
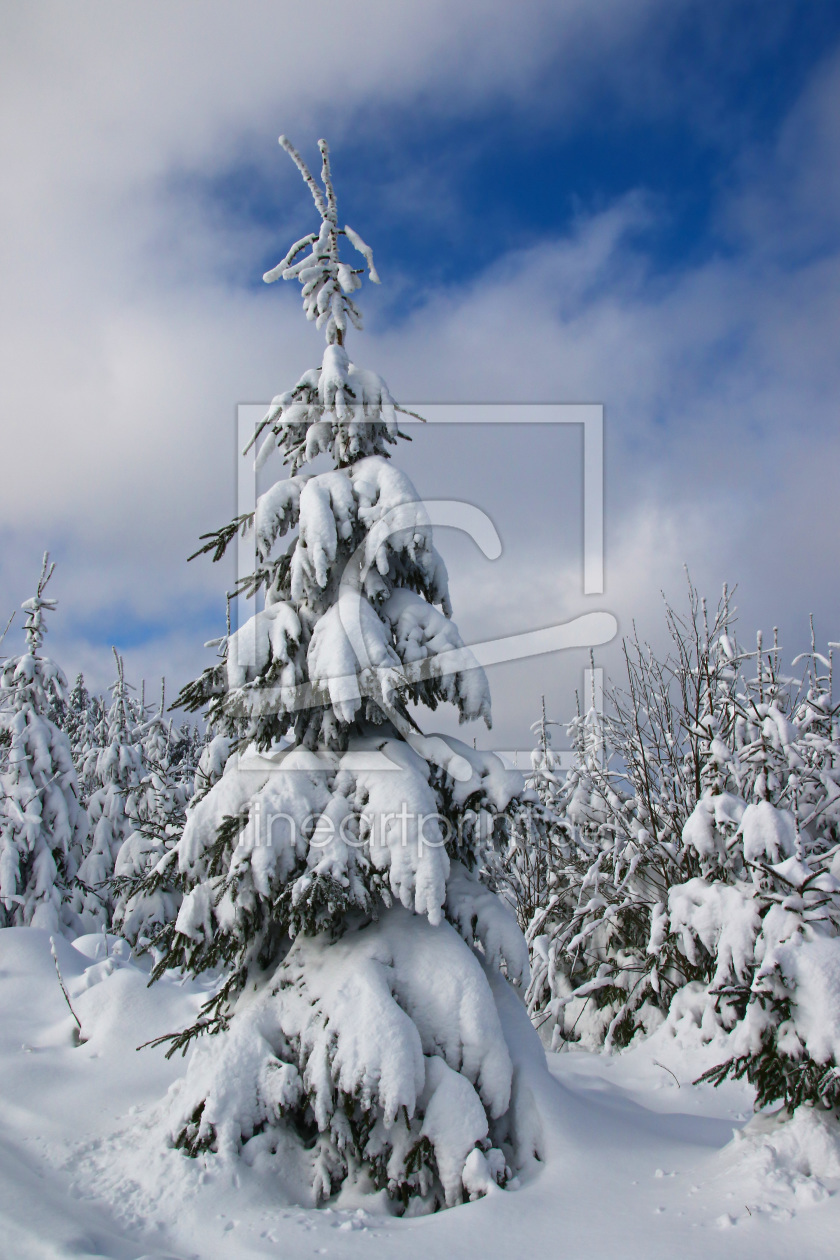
(326,281)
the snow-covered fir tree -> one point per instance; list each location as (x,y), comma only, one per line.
(42,824)
(546,776)
(116,766)
(526,870)
(77,725)
(589,913)
(331,876)
(146,889)
(84,718)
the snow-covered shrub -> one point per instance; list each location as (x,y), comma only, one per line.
(777,983)
(42,824)
(588,939)
(333,879)
(764,917)
(704,836)
(777,956)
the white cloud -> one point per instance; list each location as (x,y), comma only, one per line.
(126,346)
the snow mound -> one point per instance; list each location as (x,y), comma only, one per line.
(779,1164)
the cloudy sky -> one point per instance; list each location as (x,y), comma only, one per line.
(629,202)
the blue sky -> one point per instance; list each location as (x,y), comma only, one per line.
(443,194)
(635,203)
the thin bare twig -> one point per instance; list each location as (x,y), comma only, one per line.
(656,1063)
(61,983)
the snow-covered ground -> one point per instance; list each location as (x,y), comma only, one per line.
(639,1163)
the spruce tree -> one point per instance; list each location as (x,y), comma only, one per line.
(117,766)
(526,873)
(78,724)
(333,879)
(41,820)
(144,886)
